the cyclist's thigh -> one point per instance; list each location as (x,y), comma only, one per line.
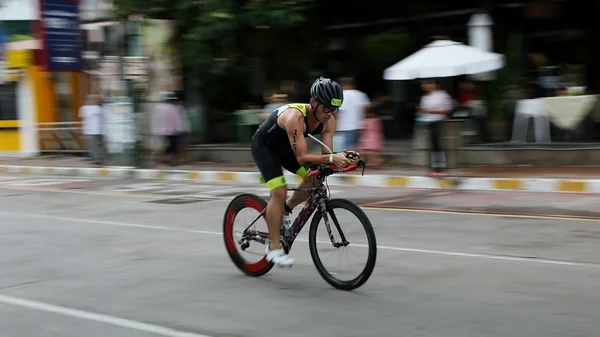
(268,163)
(290,163)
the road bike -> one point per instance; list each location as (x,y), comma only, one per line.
(323,208)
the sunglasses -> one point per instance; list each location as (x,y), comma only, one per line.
(330,110)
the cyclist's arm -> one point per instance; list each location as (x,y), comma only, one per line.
(327,135)
(294,126)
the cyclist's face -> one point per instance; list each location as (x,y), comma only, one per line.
(325,113)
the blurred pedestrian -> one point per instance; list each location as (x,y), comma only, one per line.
(351,113)
(435,107)
(273,101)
(185,132)
(371,139)
(173,129)
(158,130)
(92,121)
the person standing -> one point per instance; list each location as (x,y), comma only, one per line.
(91,116)
(173,128)
(435,107)
(371,139)
(351,114)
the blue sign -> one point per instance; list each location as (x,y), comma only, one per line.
(61,34)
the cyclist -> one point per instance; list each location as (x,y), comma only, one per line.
(280,142)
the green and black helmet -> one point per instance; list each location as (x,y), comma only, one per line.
(327,92)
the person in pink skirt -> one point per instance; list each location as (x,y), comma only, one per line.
(371,139)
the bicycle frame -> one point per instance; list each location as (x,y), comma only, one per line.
(317,200)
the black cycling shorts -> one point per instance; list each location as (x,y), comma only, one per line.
(271,158)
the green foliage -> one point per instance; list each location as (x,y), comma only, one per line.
(384,49)
(507,79)
(278,14)
(158,9)
(379,51)
(217,39)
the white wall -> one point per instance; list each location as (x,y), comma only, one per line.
(26,106)
(19,10)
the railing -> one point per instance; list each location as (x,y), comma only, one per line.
(61,137)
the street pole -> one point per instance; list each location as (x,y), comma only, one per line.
(121,110)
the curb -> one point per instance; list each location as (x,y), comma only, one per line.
(375,180)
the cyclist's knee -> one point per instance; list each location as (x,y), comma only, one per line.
(307,180)
(278,187)
(279,194)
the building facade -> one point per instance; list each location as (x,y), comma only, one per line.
(40,86)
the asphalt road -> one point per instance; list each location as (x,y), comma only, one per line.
(99,257)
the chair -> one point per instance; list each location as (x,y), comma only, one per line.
(524,110)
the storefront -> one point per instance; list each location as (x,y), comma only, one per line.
(9,124)
(17,135)
(41,88)
(31,97)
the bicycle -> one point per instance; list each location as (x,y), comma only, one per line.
(318,203)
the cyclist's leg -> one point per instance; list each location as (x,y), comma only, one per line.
(269,165)
(290,163)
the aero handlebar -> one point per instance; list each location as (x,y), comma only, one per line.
(335,169)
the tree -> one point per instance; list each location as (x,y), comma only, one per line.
(218,40)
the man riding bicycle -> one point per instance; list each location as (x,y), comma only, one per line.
(280,142)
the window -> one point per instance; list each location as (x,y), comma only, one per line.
(8,101)
(63,94)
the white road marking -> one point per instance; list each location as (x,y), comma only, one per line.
(95,317)
(487,256)
(42,182)
(192,191)
(109,223)
(140,187)
(383,247)
(388,201)
(203,191)
(185,189)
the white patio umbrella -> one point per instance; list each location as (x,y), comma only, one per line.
(444,58)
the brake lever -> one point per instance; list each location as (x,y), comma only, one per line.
(362,164)
(352,154)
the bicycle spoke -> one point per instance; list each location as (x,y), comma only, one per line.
(256,219)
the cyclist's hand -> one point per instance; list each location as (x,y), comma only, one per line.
(353,156)
(340,160)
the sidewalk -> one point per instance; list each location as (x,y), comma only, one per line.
(549,179)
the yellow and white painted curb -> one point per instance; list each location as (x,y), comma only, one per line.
(495,184)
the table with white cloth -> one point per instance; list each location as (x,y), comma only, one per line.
(566,112)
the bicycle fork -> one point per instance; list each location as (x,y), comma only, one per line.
(323,209)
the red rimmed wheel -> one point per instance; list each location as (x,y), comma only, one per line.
(238,242)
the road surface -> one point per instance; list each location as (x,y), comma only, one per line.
(100,257)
